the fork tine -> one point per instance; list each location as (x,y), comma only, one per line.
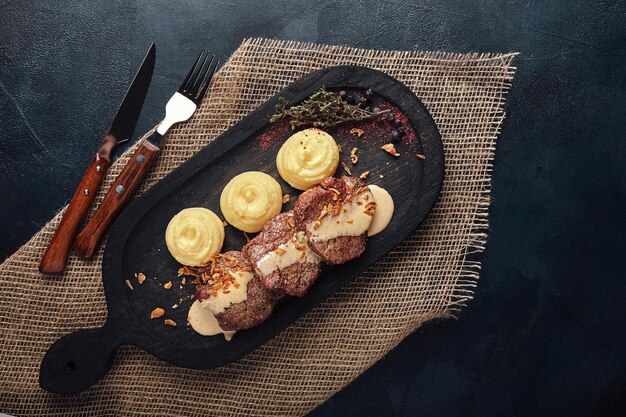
(207,81)
(197,73)
(197,82)
(188,78)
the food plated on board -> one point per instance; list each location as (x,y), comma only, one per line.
(329,223)
(169,291)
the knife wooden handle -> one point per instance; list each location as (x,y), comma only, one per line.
(120,193)
(55,257)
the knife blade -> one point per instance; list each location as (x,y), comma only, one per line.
(122,127)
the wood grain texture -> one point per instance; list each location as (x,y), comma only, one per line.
(136,241)
(55,257)
(117,197)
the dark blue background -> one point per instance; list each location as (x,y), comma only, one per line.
(546,333)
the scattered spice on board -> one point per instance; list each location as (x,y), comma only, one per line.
(345,167)
(409,137)
(129,285)
(286,198)
(390,149)
(156,313)
(225,223)
(421,156)
(167,285)
(170,322)
(247,237)
(364,175)
(274,135)
(184,281)
(141,277)
(394,121)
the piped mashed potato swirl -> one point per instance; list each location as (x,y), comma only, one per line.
(250,199)
(307,157)
(194,236)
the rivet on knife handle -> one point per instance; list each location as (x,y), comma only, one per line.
(116,198)
(55,257)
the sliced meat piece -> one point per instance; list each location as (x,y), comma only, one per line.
(341,249)
(281,257)
(336,215)
(255,310)
(258,303)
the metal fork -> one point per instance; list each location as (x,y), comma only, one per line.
(185,101)
(179,108)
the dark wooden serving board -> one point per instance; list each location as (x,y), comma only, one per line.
(136,241)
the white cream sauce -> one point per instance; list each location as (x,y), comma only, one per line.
(231,295)
(384,210)
(296,250)
(352,220)
(203,321)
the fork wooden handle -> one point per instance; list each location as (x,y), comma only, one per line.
(116,198)
(55,257)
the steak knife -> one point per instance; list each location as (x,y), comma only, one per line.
(122,127)
(180,107)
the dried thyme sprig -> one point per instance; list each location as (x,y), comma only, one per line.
(321,109)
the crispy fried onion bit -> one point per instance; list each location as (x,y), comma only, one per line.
(216,276)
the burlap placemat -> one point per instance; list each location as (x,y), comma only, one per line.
(428,276)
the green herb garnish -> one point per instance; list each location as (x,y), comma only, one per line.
(321,109)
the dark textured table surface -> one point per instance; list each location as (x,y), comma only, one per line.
(546,333)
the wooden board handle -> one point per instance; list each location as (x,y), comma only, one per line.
(78,360)
(116,198)
(55,257)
